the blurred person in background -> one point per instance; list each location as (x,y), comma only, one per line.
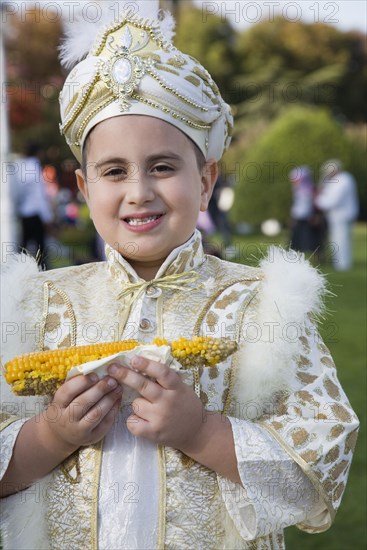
(302,210)
(31,203)
(338,198)
(218,215)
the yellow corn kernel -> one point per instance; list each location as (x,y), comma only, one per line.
(41,373)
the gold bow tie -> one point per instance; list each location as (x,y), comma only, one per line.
(171,282)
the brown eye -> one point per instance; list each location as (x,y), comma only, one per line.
(115,172)
(163,168)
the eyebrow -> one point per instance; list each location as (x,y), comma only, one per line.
(120,160)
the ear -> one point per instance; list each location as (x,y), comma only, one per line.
(209,177)
(82,184)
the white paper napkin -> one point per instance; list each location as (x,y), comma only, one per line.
(161,354)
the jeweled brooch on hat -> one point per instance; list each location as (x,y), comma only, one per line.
(123,71)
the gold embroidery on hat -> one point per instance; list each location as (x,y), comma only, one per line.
(193,80)
(148,26)
(91,115)
(175,92)
(167,69)
(126,51)
(72,114)
(174,114)
(177,62)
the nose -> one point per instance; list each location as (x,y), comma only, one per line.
(139,188)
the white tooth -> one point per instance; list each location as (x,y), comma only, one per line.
(142,221)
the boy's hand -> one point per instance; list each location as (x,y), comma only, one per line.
(168,411)
(82,411)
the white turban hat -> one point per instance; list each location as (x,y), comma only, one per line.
(132,68)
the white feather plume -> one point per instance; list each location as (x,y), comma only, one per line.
(291,289)
(81,30)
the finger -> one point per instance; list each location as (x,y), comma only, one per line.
(148,388)
(72,388)
(137,426)
(96,414)
(142,408)
(85,401)
(166,377)
(106,422)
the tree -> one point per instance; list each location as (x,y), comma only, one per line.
(301,136)
(211,42)
(34,78)
(284,63)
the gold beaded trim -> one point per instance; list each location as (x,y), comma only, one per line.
(170,88)
(174,114)
(241,314)
(88,118)
(142,24)
(197,386)
(46,295)
(79,107)
(162,499)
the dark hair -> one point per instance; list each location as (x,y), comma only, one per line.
(200,159)
(32,148)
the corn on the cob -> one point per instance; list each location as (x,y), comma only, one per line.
(42,373)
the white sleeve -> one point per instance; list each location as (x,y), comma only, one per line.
(332,196)
(8,437)
(275,493)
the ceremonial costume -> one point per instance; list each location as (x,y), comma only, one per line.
(293,428)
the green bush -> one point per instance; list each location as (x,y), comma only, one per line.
(357,165)
(300,136)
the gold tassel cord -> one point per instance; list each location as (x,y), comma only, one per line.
(41,373)
(133,291)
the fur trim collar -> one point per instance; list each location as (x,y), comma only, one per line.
(291,290)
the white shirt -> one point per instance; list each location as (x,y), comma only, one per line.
(28,190)
(339,198)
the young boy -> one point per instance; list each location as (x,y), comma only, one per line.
(225,458)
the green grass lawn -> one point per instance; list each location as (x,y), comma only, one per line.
(344,331)
(348,346)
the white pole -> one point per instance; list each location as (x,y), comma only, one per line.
(8,223)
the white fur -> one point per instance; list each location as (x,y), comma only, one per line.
(291,289)
(81,33)
(18,511)
(16,273)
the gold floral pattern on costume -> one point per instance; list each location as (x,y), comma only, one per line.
(331,388)
(323,416)
(71,504)
(189,524)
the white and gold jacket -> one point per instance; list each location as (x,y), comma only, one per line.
(293,428)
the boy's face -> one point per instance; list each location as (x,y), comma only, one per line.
(143,187)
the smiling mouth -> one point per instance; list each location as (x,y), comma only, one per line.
(142,221)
